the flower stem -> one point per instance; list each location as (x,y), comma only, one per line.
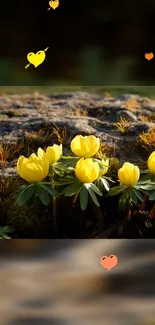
(152,212)
(54,210)
(128,215)
(75,198)
(54,213)
(143,203)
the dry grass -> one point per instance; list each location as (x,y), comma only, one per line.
(130,104)
(80,112)
(123,125)
(106,150)
(144,118)
(149,118)
(9,151)
(147,139)
(114,165)
(61,135)
(107,94)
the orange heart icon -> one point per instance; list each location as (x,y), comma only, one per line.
(149,56)
(109,261)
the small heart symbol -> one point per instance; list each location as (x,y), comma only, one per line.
(36,59)
(149,56)
(54,4)
(109,261)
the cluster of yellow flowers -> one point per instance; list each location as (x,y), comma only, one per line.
(36,167)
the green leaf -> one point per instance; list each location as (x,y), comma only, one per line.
(8,229)
(64,181)
(4,230)
(43,195)
(109,179)
(83,198)
(105,183)
(70,157)
(145,178)
(123,200)
(138,194)
(144,192)
(94,188)
(25,195)
(116,190)
(58,172)
(23,186)
(50,190)
(152,197)
(134,197)
(71,162)
(93,196)
(143,182)
(72,189)
(144,171)
(7,237)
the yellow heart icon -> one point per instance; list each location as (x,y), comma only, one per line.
(53,4)
(36,59)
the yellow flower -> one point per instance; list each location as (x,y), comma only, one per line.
(54,153)
(105,164)
(128,174)
(86,170)
(35,168)
(85,146)
(151,163)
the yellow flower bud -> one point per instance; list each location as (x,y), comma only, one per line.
(151,163)
(86,146)
(35,168)
(86,170)
(54,153)
(128,174)
(105,164)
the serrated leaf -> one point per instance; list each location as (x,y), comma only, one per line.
(144,171)
(134,197)
(105,183)
(71,162)
(72,189)
(25,195)
(8,229)
(95,189)
(7,237)
(141,182)
(144,192)
(23,186)
(50,190)
(109,179)
(145,178)
(63,181)
(123,200)
(58,172)
(138,194)
(148,224)
(116,190)
(93,196)
(43,195)
(83,198)
(152,196)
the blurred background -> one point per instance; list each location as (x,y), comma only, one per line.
(61,282)
(90,43)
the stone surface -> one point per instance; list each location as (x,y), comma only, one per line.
(81,113)
(69,286)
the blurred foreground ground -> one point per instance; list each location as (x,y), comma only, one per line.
(62,282)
